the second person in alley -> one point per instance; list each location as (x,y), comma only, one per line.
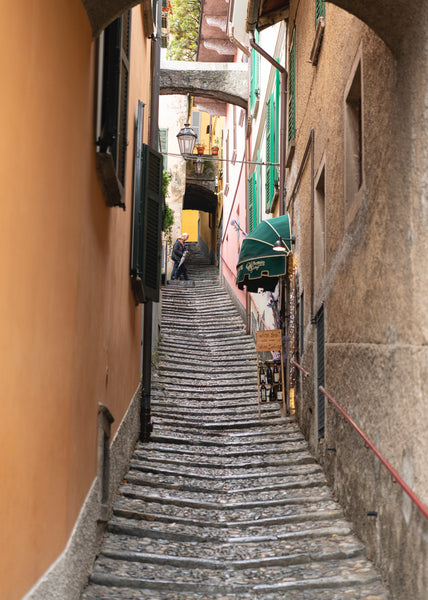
(178,255)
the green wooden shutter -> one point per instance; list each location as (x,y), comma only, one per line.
(319,10)
(146,243)
(252,203)
(254,77)
(111,77)
(270,151)
(292,90)
(112,143)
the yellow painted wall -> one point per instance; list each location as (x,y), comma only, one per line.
(189,224)
(70,330)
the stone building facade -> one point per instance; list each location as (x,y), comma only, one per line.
(356,193)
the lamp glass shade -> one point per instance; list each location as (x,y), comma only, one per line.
(186,139)
(199,166)
(279,245)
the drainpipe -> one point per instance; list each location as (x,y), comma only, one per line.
(282,133)
(146,426)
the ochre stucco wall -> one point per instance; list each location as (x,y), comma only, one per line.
(70,329)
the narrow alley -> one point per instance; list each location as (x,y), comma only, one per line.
(221,504)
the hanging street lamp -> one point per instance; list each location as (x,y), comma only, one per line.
(199,166)
(186,140)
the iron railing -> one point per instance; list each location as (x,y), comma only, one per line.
(296,364)
(395,476)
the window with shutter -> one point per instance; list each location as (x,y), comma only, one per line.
(254,197)
(196,124)
(292,90)
(254,79)
(163,145)
(146,243)
(113,121)
(272,150)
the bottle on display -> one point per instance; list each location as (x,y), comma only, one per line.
(269,374)
(263,393)
(262,374)
(272,393)
(279,395)
(276,375)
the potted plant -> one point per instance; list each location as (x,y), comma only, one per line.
(200,148)
(215,147)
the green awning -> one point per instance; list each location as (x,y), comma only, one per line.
(259,266)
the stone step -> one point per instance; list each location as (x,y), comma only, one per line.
(372,591)
(291,573)
(222,503)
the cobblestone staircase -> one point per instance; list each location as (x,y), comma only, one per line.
(221,504)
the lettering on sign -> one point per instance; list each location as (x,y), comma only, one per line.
(254,264)
(269,340)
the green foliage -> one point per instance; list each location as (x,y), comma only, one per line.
(184,29)
(168,213)
(166,180)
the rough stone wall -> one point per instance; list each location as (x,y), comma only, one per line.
(374,286)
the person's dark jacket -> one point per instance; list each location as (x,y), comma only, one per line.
(178,250)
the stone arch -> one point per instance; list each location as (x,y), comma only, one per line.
(226,82)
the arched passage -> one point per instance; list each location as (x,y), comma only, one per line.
(198,197)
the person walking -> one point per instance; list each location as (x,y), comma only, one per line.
(179,252)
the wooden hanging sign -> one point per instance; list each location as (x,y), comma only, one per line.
(269,340)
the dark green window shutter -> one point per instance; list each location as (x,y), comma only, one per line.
(292,90)
(319,10)
(111,77)
(146,244)
(112,143)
